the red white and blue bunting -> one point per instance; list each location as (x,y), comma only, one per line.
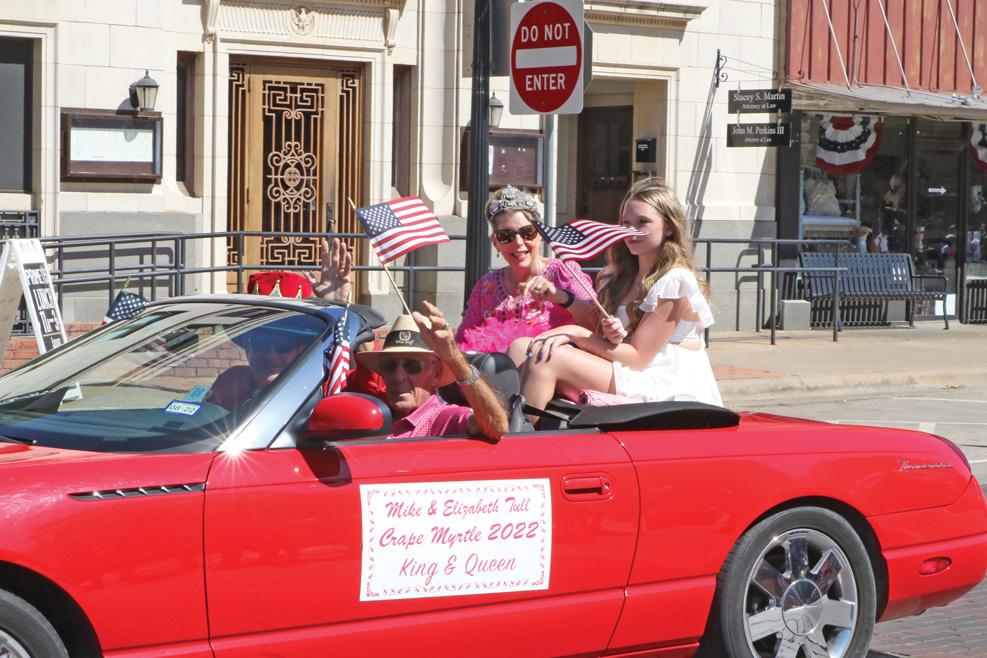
(847,144)
(978,145)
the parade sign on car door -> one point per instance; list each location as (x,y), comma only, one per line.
(455,538)
(547,57)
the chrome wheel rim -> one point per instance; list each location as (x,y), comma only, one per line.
(801,598)
(11,648)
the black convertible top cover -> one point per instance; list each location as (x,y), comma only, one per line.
(656,416)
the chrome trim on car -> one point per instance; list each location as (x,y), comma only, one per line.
(905,465)
(134,492)
(10,647)
(801,597)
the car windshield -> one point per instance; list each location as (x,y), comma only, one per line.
(177,378)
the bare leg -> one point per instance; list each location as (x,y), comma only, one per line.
(568,369)
(518,350)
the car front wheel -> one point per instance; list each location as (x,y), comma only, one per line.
(24,632)
(798,584)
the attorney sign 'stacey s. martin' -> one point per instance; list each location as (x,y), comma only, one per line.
(753,101)
(455,538)
(759,134)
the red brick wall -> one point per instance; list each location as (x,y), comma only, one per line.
(20,349)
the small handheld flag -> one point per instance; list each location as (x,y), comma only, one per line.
(400,226)
(582,239)
(125,306)
(337,361)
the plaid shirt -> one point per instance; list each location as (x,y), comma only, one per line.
(434,418)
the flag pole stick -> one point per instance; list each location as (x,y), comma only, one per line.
(592,295)
(326,365)
(582,284)
(386,271)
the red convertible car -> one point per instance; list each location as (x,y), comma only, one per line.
(156,501)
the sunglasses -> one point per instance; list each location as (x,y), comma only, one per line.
(507,235)
(411,366)
(267,343)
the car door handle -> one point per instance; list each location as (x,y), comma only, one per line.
(581,487)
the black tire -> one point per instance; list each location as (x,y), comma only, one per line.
(833,581)
(24,632)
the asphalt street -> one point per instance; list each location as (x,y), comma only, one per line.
(958,413)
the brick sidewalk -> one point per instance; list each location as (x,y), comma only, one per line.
(957,629)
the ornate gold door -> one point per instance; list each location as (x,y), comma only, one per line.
(291,130)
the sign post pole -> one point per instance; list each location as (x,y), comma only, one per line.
(477,244)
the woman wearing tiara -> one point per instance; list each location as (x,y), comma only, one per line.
(532,294)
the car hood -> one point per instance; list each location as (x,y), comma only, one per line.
(16,453)
(46,471)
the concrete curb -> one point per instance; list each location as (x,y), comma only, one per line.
(773,387)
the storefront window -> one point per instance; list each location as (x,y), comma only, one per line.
(851,190)
(920,189)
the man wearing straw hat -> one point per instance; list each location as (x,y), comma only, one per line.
(419,355)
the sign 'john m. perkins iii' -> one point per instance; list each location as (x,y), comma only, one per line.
(759,134)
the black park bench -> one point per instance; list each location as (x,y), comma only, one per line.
(870,278)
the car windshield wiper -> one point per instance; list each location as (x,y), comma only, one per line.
(24,396)
(12,439)
(40,401)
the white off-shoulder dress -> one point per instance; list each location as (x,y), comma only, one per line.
(677,372)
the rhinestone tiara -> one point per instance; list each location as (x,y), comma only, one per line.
(511,198)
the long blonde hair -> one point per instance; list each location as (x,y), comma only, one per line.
(617,278)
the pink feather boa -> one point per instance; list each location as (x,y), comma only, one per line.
(496,335)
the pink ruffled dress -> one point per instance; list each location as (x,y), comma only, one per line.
(493,317)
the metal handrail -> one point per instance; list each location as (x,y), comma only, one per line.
(761,266)
(836,271)
(175,267)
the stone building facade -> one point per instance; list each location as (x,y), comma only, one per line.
(273,114)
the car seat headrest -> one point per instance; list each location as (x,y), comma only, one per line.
(496,368)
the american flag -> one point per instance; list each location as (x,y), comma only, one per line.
(337,361)
(582,239)
(125,305)
(399,226)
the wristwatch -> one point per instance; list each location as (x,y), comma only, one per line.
(569,299)
(472,379)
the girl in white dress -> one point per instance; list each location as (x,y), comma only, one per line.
(651,348)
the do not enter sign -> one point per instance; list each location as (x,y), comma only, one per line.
(547,57)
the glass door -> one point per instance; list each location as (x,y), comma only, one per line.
(974,246)
(939,206)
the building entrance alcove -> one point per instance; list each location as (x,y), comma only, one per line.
(295,158)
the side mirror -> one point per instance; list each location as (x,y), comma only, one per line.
(348,416)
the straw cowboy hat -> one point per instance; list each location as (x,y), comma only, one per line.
(404,339)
